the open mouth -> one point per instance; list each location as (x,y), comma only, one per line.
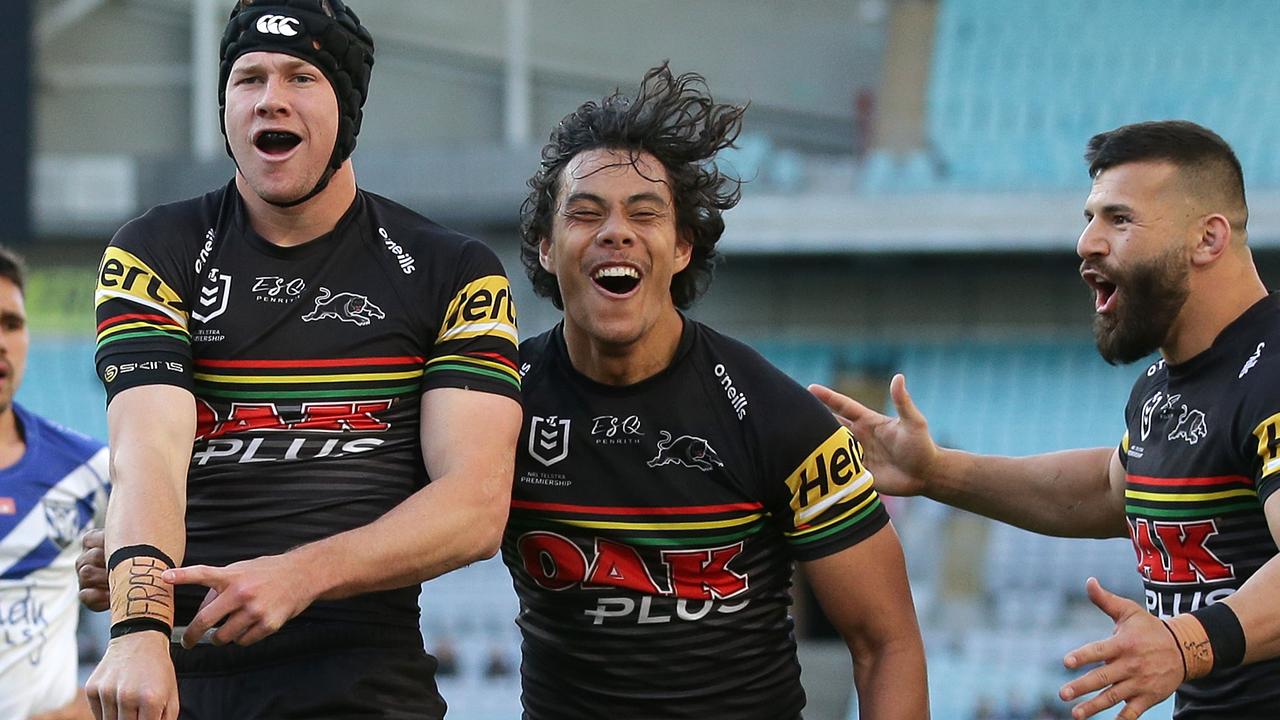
(616,279)
(1104,291)
(276,142)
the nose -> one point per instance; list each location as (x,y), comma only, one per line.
(1092,242)
(616,231)
(271,101)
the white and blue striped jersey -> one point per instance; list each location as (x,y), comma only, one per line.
(47,500)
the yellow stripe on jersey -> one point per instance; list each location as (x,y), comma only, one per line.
(1188,497)
(123,275)
(833,472)
(293,379)
(1268,434)
(484,307)
(706,525)
(870,498)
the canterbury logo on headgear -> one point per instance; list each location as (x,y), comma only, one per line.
(278,25)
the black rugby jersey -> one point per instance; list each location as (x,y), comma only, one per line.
(1201,456)
(307,364)
(654,526)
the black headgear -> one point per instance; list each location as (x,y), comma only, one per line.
(325,33)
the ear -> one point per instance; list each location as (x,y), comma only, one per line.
(547,255)
(1214,239)
(684,252)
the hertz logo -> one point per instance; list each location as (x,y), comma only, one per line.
(483,307)
(278,25)
(123,275)
(831,474)
(1268,435)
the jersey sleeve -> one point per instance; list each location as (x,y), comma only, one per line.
(818,490)
(143,331)
(1261,447)
(476,347)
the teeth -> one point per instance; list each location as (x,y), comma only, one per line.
(617,271)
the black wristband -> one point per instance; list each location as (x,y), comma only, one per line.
(128,627)
(132,551)
(1225,634)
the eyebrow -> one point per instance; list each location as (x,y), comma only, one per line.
(631,200)
(1113,209)
(291,64)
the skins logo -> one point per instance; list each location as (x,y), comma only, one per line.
(1177,553)
(686,450)
(214,297)
(64,521)
(345,306)
(549,439)
(1191,426)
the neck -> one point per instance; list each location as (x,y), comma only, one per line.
(12,444)
(305,222)
(1218,296)
(626,363)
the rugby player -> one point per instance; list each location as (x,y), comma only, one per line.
(53,482)
(1193,480)
(313,404)
(668,478)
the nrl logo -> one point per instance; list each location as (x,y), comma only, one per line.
(345,306)
(213,298)
(1149,409)
(686,450)
(549,439)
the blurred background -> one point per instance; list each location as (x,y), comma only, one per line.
(914,196)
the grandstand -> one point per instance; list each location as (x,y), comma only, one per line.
(933,237)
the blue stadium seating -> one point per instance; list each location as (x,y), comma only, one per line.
(1017,88)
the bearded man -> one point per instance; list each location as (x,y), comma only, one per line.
(1193,480)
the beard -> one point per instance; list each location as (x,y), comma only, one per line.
(1154,294)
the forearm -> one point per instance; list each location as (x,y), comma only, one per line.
(151,431)
(1067,493)
(891,681)
(442,527)
(1254,605)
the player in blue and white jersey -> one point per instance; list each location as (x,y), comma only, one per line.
(52,483)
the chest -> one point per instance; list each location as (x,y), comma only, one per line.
(1185,432)
(341,302)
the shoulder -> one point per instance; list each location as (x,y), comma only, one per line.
(395,224)
(59,439)
(749,382)
(184,222)
(536,353)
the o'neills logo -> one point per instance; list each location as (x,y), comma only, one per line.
(737,399)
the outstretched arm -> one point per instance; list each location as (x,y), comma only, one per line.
(1074,493)
(863,591)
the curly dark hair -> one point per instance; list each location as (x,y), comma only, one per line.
(674,119)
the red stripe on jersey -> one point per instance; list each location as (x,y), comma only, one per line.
(601,510)
(116,319)
(1191,481)
(337,362)
(494,357)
